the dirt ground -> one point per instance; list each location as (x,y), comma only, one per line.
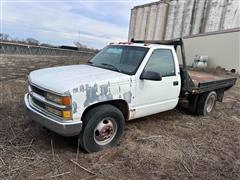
(170,145)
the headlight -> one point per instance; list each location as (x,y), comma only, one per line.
(65,113)
(54,98)
(63,100)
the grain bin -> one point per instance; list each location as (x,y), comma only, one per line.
(169,19)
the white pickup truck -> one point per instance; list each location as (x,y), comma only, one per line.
(122,82)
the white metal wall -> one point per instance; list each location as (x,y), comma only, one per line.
(222,49)
(169,19)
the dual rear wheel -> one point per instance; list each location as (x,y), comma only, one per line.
(203,104)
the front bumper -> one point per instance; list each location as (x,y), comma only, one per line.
(69,128)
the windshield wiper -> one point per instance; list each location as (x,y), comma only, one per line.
(112,66)
(89,62)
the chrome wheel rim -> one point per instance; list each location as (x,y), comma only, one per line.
(210,103)
(105,131)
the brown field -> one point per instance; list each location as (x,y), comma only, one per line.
(170,145)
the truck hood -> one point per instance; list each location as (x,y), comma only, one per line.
(64,78)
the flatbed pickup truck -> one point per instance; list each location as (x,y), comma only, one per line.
(122,82)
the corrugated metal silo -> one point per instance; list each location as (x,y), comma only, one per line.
(187,17)
(151,22)
(198,16)
(214,15)
(138,23)
(132,24)
(144,22)
(232,16)
(160,21)
(169,19)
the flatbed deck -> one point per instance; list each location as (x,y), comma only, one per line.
(203,82)
(203,77)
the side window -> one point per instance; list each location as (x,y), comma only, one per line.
(161,61)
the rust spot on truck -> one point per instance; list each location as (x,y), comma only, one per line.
(132,113)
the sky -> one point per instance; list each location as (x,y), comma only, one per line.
(62,22)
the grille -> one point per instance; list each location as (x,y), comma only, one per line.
(38,103)
(37,90)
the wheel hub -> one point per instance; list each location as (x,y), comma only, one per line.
(210,103)
(105,131)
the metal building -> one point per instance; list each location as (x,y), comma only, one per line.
(221,47)
(169,19)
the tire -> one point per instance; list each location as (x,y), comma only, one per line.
(192,104)
(102,128)
(206,103)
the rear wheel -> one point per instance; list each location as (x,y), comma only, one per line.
(206,103)
(102,128)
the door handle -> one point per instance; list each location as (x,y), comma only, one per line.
(175,83)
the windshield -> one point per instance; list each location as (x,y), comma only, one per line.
(125,59)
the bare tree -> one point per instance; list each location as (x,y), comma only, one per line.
(80,45)
(32,41)
(4,37)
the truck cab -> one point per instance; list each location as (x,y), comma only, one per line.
(122,82)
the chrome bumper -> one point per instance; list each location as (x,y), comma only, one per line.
(69,128)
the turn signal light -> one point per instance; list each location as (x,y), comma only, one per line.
(66,100)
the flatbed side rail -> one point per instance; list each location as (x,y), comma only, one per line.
(214,85)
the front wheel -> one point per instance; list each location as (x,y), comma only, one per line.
(102,128)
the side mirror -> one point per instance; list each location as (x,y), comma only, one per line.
(150,75)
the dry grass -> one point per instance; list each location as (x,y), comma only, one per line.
(170,145)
